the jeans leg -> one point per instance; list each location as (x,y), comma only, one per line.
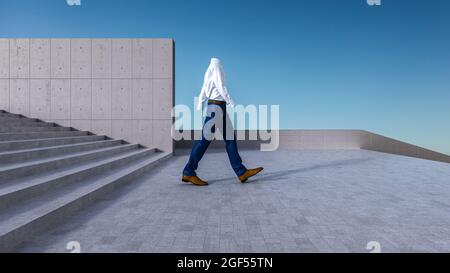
(234,157)
(197,153)
(198,150)
(231,146)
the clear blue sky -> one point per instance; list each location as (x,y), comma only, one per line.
(327,63)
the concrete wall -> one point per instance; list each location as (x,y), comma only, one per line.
(332,139)
(294,139)
(384,144)
(122,88)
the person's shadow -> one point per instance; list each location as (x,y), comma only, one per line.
(285,174)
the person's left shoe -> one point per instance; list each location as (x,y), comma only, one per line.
(194,180)
(249,173)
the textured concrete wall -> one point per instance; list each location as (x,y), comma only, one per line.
(332,139)
(122,88)
(375,142)
(296,139)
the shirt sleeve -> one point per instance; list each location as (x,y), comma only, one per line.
(201,98)
(224,92)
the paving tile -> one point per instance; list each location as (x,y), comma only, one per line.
(305,201)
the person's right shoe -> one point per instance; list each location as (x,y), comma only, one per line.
(194,180)
(249,173)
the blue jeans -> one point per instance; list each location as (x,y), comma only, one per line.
(216,118)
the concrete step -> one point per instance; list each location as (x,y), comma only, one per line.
(6,114)
(16,118)
(48,172)
(23,169)
(45,152)
(19,190)
(38,135)
(17,129)
(26,123)
(37,215)
(46,142)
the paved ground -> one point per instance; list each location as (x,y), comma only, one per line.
(306,201)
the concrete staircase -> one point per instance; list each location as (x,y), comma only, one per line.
(48,172)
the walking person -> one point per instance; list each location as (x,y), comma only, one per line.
(215,91)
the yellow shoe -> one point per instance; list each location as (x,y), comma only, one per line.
(249,173)
(194,180)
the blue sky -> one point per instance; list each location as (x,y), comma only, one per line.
(327,63)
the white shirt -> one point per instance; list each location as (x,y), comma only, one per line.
(214,85)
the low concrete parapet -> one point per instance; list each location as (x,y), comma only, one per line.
(327,139)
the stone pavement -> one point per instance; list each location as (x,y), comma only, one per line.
(305,201)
